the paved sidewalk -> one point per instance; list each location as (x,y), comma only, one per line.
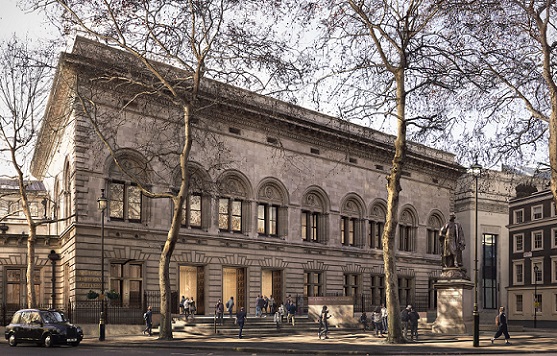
(344,343)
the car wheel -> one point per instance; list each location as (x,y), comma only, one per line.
(12,340)
(74,344)
(48,341)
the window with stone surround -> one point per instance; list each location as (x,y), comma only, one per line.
(376,225)
(125,200)
(350,222)
(519,305)
(313,219)
(232,207)
(126,279)
(351,285)
(537,212)
(554,238)
(377,289)
(518,216)
(537,240)
(407,231)
(434,225)
(313,284)
(518,272)
(272,211)
(518,243)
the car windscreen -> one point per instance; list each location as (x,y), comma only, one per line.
(52,317)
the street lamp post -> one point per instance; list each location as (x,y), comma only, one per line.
(102,201)
(53,257)
(536,270)
(476,170)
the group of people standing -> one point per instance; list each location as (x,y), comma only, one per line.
(187,307)
(378,318)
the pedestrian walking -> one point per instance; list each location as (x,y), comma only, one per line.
(377,322)
(230,306)
(502,328)
(182,308)
(241,317)
(413,318)
(384,318)
(404,320)
(258,306)
(324,323)
(219,312)
(148,317)
(291,316)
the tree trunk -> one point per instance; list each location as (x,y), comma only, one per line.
(30,275)
(174,231)
(388,239)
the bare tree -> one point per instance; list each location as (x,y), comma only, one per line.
(25,76)
(222,39)
(514,65)
(391,65)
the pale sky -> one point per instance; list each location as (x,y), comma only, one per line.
(14,20)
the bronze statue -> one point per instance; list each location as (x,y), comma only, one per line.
(452,241)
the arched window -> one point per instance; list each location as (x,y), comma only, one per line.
(407,231)
(272,211)
(434,224)
(233,209)
(313,217)
(376,225)
(196,207)
(124,195)
(351,215)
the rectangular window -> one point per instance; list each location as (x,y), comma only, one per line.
(313,284)
(489,271)
(519,303)
(554,238)
(375,233)
(554,269)
(347,228)
(433,243)
(16,287)
(310,230)
(518,272)
(192,211)
(377,289)
(351,284)
(537,212)
(230,215)
(406,238)
(267,219)
(519,243)
(519,216)
(537,240)
(405,290)
(126,280)
(125,201)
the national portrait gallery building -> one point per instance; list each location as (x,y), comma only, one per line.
(282,200)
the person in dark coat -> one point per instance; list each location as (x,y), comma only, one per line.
(219,313)
(148,317)
(502,328)
(241,317)
(324,323)
(413,318)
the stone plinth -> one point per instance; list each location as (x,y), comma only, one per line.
(454,306)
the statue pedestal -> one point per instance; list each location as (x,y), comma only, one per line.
(454,303)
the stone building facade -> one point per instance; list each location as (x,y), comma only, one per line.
(283,200)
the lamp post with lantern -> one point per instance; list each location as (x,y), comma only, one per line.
(476,170)
(102,201)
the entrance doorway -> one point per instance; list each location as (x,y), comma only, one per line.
(234,285)
(271,284)
(192,284)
